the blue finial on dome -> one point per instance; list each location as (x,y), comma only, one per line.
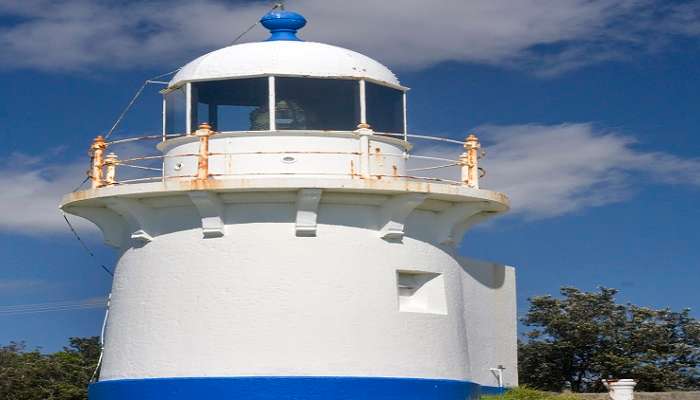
(283,25)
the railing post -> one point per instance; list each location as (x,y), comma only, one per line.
(469,160)
(111,162)
(97,150)
(203,133)
(364,131)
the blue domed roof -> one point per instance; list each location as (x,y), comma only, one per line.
(283,25)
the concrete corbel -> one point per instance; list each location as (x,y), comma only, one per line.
(211,211)
(449,222)
(112,225)
(137,216)
(461,228)
(393,214)
(307,211)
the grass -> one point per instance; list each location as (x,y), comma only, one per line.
(525,393)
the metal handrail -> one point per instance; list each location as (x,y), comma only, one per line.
(104,166)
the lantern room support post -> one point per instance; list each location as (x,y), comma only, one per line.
(363,102)
(272,103)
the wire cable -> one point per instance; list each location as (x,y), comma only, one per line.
(85,246)
(22,309)
(136,96)
(250,28)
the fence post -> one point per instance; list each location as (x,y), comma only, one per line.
(111,162)
(364,131)
(97,150)
(469,160)
(203,133)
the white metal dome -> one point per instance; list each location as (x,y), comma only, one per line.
(283,58)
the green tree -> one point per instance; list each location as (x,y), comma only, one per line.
(585,336)
(64,375)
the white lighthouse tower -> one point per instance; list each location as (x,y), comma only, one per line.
(287,250)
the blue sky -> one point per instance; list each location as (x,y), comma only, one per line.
(589,111)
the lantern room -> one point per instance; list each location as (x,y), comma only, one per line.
(282,84)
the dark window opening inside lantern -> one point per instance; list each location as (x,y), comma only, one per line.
(300,104)
(316,104)
(384,108)
(231,105)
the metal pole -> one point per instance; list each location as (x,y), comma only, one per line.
(203,133)
(272,103)
(364,131)
(111,162)
(97,150)
(405,121)
(363,104)
(470,161)
(189,109)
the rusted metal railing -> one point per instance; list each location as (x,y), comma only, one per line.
(111,162)
(469,160)
(203,133)
(104,168)
(97,151)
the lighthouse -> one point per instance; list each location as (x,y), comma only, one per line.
(284,247)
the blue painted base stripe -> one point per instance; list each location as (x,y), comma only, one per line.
(284,388)
(492,390)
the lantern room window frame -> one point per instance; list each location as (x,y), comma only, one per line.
(191,106)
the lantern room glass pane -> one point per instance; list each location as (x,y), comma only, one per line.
(231,105)
(384,108)
(316,104)
(175,109)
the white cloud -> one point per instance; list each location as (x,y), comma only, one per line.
(546,170)
(17,285)
(545,36)
(551,170)
(32,191)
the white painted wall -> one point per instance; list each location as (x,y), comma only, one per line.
(286,152)
(262,301)
(491,320)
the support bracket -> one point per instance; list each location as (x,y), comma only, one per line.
(307,211)
(462,227)
(111,224)
(137,216)
(449,223)
(394,212)
(211,211)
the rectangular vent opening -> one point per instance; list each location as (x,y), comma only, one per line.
(421,292)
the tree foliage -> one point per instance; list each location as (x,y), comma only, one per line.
(64,375)
(584,337)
